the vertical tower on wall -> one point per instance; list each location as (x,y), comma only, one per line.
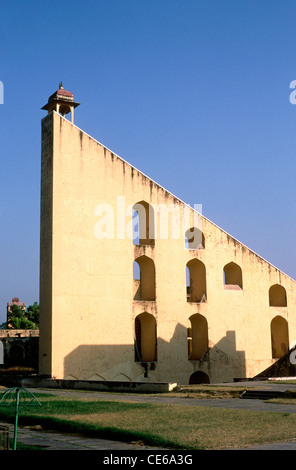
(62,102)
(99,320)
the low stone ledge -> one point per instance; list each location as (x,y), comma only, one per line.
(13,333)
(107,386)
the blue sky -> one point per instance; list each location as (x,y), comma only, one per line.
(194,93)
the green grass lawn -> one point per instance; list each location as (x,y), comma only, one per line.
(164,425)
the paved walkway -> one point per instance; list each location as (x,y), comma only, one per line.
(47,440)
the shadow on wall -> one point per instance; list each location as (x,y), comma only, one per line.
(225,360)
(221,362)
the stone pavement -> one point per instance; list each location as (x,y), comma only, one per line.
(48,440)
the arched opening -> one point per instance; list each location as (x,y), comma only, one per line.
(232,276)
(277,296)
(197,337)
(199,377)
(143,224)
(145,338)
(279,337)
(144,278)
(196,281)
(194,239)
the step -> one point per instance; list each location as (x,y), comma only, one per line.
(261,394)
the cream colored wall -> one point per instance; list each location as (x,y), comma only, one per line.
(86,301)
(45,297)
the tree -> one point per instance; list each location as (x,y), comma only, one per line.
(21,320)
(33,314)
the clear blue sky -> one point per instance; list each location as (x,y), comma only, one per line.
(194,93)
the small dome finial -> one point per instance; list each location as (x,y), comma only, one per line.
(62,101)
